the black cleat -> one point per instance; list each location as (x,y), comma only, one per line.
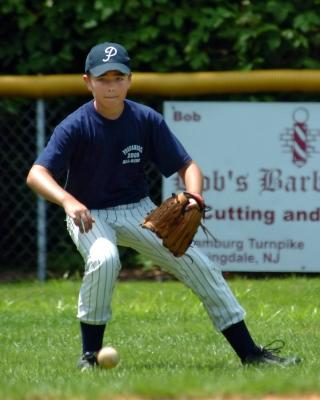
(265,355)
(87,361)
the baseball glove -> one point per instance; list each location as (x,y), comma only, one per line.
(174,223)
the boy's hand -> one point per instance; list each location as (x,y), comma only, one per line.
(195,200)
(79,213)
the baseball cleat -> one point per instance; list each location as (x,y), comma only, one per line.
(266,355)
(87,361)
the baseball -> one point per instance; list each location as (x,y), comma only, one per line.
(108,357)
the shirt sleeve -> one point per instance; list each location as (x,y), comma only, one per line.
(166,151)
(57,153)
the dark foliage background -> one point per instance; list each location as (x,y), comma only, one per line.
(53,36)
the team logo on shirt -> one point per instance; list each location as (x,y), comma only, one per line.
(132,154)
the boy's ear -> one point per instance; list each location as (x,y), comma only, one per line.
(87,81)
(129,79)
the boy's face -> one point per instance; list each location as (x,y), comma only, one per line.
(110,89)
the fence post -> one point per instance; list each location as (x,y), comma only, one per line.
(41,203)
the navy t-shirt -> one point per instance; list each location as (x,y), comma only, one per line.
(104,159)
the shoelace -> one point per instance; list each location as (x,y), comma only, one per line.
(91,357)
(271,348)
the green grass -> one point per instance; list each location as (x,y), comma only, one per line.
(167,345)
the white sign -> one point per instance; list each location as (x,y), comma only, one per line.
(261,166)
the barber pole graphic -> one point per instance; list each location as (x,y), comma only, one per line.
(300,137)
(300,140)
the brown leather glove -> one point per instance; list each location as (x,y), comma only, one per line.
(176,222)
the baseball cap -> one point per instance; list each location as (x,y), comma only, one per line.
(106,57)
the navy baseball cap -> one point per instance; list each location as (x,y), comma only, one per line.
(106,57)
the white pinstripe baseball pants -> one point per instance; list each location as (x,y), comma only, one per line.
(121,226)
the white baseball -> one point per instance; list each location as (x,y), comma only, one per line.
(108,357)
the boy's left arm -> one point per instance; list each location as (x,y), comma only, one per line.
(193,180)
(192,177)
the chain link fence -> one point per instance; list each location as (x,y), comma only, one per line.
(33,234)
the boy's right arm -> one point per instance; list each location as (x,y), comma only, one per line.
(42,182)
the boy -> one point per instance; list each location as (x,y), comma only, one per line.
(103,147)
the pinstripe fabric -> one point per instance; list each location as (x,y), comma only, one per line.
(102,266)
(121,226)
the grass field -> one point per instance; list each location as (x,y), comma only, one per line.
(167,345)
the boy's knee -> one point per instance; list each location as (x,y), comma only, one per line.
(103,261)
(103,252)
(103,258)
